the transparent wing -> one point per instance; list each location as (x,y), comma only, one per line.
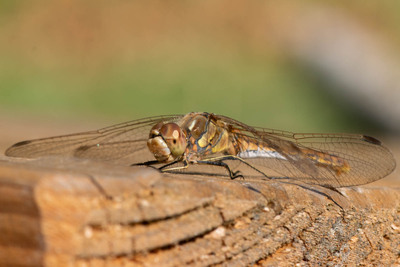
(367,158)
(123,143)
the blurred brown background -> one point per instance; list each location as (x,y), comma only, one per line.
(308,66)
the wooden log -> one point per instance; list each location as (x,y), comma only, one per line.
(57,212)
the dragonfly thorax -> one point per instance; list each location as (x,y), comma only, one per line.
(207,136)
(167,142)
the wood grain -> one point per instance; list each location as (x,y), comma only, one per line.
(57,212)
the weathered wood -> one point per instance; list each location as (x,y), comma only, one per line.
(80,213)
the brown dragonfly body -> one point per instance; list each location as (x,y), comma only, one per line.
(332,160)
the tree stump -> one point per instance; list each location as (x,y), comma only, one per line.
(56,212)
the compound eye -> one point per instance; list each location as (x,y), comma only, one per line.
(171,131)
(155,131)
(174,137)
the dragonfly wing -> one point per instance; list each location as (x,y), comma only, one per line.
(125,141)
(367,159)
(306,157)
(60,145)
(286,161)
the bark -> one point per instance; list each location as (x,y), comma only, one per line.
(67,213)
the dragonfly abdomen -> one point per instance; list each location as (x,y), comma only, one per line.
(260,153)
(248,148)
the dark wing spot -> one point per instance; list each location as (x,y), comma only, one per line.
(22,143)
(371,140)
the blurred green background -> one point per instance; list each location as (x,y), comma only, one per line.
(253,61)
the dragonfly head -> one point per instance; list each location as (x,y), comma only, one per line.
(167,141)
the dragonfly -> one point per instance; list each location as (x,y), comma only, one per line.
(200,138)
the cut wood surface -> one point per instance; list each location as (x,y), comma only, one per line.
(80,213)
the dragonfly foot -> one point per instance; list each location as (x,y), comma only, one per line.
(235,175)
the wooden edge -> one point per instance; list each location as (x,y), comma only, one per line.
(67,213)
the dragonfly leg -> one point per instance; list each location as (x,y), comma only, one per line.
(172,163)
(232,174)
(164,169)
(147,163)
(222,158)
